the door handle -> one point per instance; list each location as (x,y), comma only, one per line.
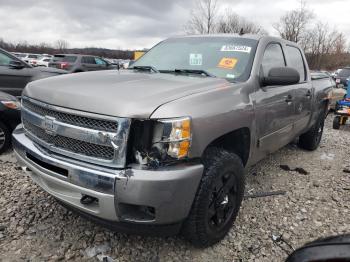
(288,99)
(308,94)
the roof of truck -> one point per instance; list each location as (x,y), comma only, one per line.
(246,36)
(249,36)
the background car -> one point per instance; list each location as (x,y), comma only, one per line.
(31,59)
(338,92)
(43,61)
(335,73)
(10,117)
(343,76)
(15,73)
(80,63)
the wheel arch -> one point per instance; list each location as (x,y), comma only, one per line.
(237,141)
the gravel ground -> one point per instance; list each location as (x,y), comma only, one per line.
(33,227)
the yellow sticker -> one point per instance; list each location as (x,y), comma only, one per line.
(227,63)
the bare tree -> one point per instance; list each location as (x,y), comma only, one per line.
(324,48)
(203,17)
(233,23)
(293,24)
(61,45)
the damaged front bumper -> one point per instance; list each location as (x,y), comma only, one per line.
(142,196)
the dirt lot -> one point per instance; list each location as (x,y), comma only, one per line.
(33,227)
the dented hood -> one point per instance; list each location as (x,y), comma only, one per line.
(118,93)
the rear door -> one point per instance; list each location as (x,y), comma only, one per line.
(273,105)
(12,80)
(303,91)
(88,63)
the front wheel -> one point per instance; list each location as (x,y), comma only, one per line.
(5,138)
(218,198)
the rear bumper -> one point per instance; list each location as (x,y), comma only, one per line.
(147,197)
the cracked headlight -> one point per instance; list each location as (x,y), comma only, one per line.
(176,136)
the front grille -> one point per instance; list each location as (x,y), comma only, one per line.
(82,121)
(72,145)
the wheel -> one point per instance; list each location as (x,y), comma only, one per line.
(336,122)
(5,137)
(218,198)
(312,138)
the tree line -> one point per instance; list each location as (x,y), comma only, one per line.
(62,46)
(325,47)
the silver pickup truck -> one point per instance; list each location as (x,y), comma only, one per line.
(163,147)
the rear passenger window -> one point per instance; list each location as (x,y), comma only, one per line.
(88,60)
(273,57)
(296,61)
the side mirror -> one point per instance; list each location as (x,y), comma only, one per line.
(329,249)
(279,76)
(16,64)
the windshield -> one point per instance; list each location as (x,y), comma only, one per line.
(225,57)
(344,72)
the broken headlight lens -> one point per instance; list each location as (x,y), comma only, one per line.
(176,136)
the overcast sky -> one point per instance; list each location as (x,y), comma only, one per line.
(129,24)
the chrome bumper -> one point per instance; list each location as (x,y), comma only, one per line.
(169,191)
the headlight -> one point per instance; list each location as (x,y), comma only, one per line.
(176,136)
(11,104)
(160,141)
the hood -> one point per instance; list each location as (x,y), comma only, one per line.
(118,93)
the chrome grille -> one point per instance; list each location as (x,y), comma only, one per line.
(73,145)
(87,137)
(87,122)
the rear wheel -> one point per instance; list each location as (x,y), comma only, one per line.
(5,138)
(336,122)
(312,138)
(218,199)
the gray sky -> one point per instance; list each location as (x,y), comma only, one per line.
(138,23)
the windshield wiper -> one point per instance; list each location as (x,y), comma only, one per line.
(194,71)
(145,68)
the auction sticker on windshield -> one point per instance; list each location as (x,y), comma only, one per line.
(196,59)
(227,63)
(236,48)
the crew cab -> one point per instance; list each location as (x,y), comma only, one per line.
(164,146)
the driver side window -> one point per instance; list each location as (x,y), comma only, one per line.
(273,57)
(4,59)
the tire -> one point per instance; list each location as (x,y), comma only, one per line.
(336,122)
(312,138)
(216,203)
(5,138)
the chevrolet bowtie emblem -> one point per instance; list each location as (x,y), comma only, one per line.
(49,125)
(103,137)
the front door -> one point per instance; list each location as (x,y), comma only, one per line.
(274,106)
